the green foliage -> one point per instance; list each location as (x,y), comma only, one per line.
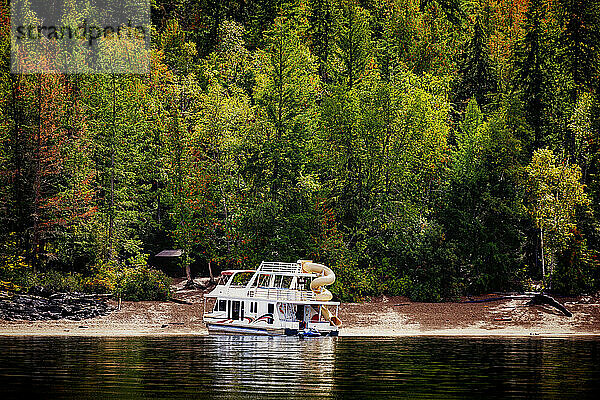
(351,50)
(14,272)
(432,265)
(537,78)
(17,275)
(477,75)
(353,283)
(134,280)
(579,42)
(400,142)
(401,286)
(555,193)
(56,281)
(576,269)
(143,283)
(482,208)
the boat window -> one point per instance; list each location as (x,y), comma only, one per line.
(222,305)
(283,281)
(263,280)
(224,279)
(303,284)
(241,278)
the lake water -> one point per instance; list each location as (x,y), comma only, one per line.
(231,367)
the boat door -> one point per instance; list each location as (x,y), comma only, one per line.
(300,316)
(235,310)
(300,312)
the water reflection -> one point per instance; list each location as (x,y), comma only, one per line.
(278,366)
(231,367)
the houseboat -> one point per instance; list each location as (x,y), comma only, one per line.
(275,299)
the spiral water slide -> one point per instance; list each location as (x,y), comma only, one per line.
(317,286)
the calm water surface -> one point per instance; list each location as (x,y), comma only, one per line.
(231,367)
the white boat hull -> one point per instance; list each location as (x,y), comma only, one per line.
(244,330)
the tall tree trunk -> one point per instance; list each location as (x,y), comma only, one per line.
(17,160)
(543,262)
(111,216)
(188,272)
(37,184)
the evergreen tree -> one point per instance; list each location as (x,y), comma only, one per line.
(320,19)
(351,48)
(451,9)
(578,59)
(476,74)
(580,43)
(481,210)
(532,81)
(285,92)
(286,83)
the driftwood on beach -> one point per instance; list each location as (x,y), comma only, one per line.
(541,299)
(534,299)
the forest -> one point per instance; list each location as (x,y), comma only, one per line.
(425,148)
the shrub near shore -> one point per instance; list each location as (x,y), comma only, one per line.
(133,280)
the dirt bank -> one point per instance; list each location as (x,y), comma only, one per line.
(383,316)
(398,316)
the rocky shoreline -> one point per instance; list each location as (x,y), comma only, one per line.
(41,305)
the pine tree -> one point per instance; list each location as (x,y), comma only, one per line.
(285,91)
(578,59)
(580,43)
(477,75)
(351,47)
(320,20)
(532,80)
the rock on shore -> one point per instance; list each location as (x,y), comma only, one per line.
(45,306)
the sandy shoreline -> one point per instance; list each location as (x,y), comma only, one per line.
(390,317)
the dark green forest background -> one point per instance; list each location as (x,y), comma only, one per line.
(427,148)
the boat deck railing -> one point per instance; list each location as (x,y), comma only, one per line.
(281,294)
(291,268)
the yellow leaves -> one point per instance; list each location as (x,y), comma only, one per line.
(555,191)
(6,286)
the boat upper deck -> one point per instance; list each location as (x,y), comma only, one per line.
(271,281)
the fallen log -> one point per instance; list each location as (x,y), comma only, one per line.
(540,299)
(487,300)
(525,296)
(179,301)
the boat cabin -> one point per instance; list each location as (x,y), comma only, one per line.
(274,299)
